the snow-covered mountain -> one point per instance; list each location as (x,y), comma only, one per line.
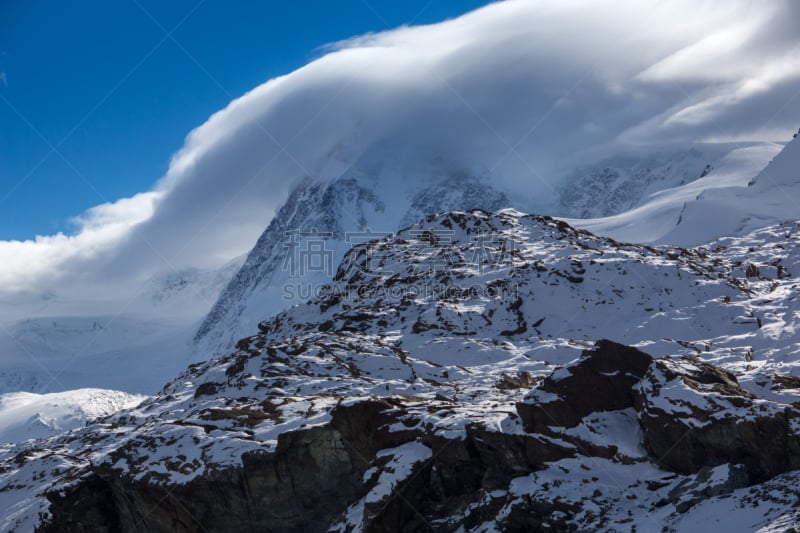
(24,415)
(139,343)
(137,350)
(617,184)
(500,92)
(373,197)
(745,190)
(141,347)
(378,194)
(441,370)
(402,348)
(405,117)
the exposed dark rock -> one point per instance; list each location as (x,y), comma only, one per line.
(301,487)
(785,382)
(707,483)
(89,508)
(459,474)
(206,389)
(538,515)
(523,380)
(686,411)
(695,415)
(310,479)
(600,380)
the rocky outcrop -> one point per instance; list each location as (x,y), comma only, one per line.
(695,415)
(309,480)
(384,405)
(601,380)
(355,203)
(303,485)
(378,464)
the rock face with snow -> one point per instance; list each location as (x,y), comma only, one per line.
(617,184)
(433,383)
(694,414)
(376,194)
(602,381)
(341,212)
(748,188)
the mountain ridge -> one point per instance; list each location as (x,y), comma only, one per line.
(375,202)
(356,394)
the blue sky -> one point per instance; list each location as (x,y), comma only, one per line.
(103,84)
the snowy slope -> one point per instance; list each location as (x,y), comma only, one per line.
(134,347)
(773,195)
(426,363)
(25,415)
(744,191)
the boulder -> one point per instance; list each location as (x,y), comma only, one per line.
(694,414)
(600,380)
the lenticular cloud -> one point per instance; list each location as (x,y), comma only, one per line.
(520,90)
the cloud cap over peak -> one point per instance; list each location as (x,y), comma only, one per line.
(522,90)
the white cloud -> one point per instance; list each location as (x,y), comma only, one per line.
(55,257)
(554,79)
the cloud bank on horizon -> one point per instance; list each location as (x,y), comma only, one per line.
(520,89)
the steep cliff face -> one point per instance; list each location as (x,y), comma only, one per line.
(336,215)
(264,262)
(434,384)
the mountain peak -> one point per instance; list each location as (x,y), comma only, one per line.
(335,214)
(446,353)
